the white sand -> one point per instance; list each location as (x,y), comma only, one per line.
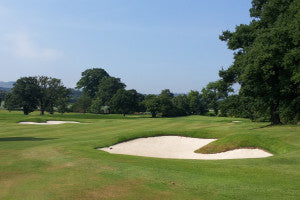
(180,148)
(49,122)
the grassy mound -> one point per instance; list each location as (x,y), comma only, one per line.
(273,145)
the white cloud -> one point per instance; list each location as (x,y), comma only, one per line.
(21,45)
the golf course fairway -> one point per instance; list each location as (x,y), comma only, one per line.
(63,161)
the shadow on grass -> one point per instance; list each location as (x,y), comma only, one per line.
(265,126)
(7,139)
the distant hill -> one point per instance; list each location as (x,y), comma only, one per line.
(4,89)
(8,85)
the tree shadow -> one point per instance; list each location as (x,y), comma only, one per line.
(8,139)
(265,126)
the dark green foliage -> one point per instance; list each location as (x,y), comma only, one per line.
(211,96)
(52,93)
(63,101)
(124,101)
(101,88)
(75,95)
(182,105)
(197,105)
(11,102)
(90,81)
(166,93)
(167,108)
(241,106)
(96,106)
(44,92)
(108,87)
(24,94)
(267,59)
(152,104)
(138,98)
(82,105)
(62,105)
(233,106)
(171,106)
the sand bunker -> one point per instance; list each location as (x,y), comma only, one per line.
(179,147)
(49,122)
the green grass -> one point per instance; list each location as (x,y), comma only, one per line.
(61,161)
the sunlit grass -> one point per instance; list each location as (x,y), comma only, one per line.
(61,161)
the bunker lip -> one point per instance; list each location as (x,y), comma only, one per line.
(50,122)
(179,147)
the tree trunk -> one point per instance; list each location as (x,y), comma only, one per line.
(274,107)
(42,107)
(25,110)
(275,119)
(153,114)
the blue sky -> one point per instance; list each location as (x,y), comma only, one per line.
(150,44)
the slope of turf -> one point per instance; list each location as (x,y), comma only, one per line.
(61,161)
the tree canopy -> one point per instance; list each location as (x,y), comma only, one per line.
(152,104)
(29,93)
(266,59)
(124,102)
(25,94)
(52,93)
(108,87)
(90,81)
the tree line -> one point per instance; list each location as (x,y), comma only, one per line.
(105,94)
(101,94)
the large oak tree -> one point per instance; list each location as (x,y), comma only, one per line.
(267,58)
(90,81)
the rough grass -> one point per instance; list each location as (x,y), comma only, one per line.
(60,161)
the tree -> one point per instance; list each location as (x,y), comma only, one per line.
(241,106)
(196,104)
(12,102)
(211,97)
(25,94)
(63,100)
(167,108)
(108,87)
(75,95)
(123,102)
(82,105)
(166,93)
(90,81)
(182,105)
(138,99)
(52,93)
(152,104)
(62,105)
(96,106)
(266,61)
